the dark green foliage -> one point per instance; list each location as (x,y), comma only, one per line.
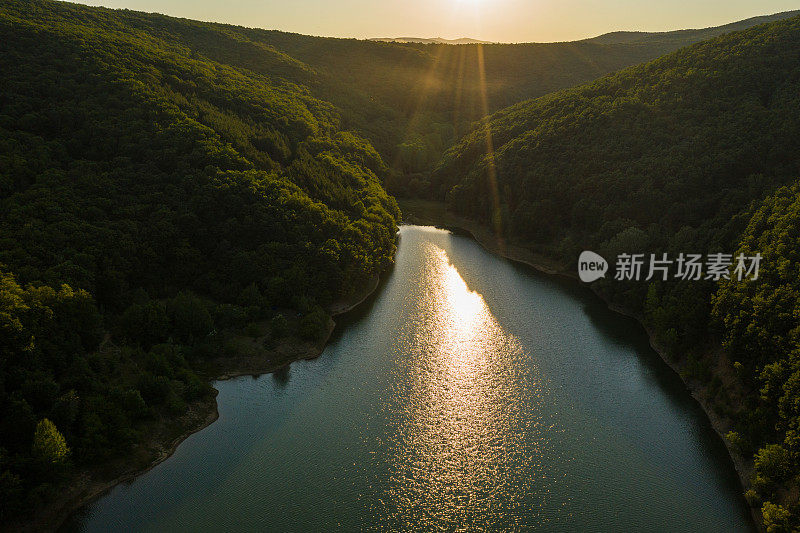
(412,101)
(278,326)
(185,186)
(163,180)
(59,391)
(761,331)
(604,166)
(145,323)
(190,318)
(760,319)
(314,325)
(150,179)
(676,155)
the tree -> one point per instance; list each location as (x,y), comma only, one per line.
(314,325)
(772,463)
(190,317)
(278,326)
(145,324)
(49,444)
(776,518)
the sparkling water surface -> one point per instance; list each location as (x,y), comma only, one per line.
(470,394)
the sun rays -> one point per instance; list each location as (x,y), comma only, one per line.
(462,71)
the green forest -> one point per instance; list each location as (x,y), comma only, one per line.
(695,152)
(166,184)
(154,199)
(411,101)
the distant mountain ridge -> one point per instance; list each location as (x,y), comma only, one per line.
(700,34)
(685,36)
(433,40)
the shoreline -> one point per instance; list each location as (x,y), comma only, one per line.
(260,365)
(293,350)
(545,265)
(85,490)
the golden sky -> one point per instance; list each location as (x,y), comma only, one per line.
(491,20)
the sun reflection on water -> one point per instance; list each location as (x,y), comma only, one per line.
(467,305)
(462,434)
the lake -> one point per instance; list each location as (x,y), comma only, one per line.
(470,393)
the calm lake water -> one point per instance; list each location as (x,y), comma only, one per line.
(472,393)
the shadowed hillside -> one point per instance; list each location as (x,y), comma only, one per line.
(680,155)
(411,101)
(156,203)
(169,187)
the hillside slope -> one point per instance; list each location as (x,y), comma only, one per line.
(673,156)
(167,185)
(410,100)
(160,202)
(689,36)
(431,40)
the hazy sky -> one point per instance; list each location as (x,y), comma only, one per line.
(492,20)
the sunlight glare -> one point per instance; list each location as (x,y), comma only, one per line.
(462,420)
(466,304)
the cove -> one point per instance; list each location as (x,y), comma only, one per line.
(471,393)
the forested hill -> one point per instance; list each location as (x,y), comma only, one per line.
(129,157)
(430,40)
(688,36)
(696,152)
(164,200)
(411,101)
(169,186)
(414,100)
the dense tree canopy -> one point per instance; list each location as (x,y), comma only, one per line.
(155,197)
(761,329)
(165,181)
(682,154)
(411,101)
